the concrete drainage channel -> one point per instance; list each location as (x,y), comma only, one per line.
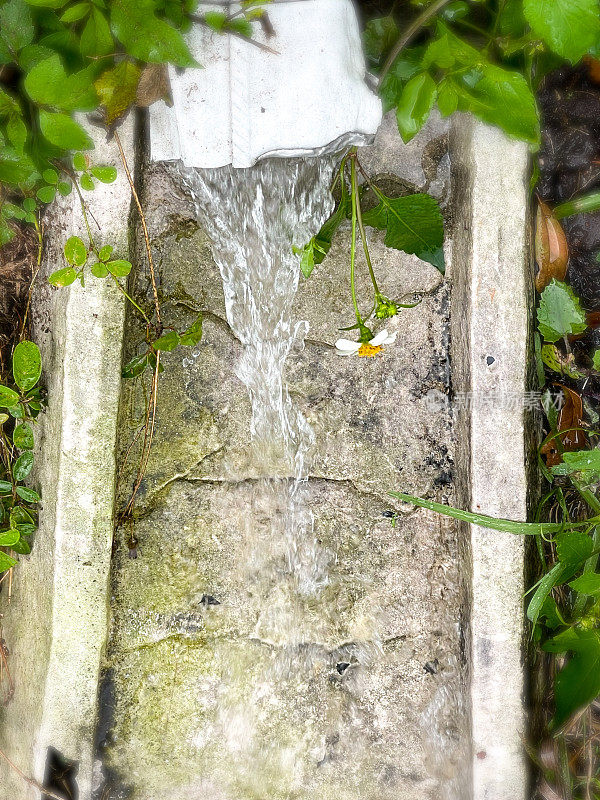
(416,685)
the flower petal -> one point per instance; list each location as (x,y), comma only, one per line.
(380,338)
(391,338)
(347,346)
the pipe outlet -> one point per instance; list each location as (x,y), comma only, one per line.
(303,94)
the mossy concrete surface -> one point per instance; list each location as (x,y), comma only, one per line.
(212,691)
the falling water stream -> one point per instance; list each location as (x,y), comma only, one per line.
(255,217)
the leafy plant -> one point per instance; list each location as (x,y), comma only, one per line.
(482,57)
(21,401)
(59,58)
(412,223)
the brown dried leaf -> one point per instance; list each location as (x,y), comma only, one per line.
(593,67)
(154,85)
(593,319)
(570,416)
(551,249)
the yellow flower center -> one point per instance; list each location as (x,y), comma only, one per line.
(369,350)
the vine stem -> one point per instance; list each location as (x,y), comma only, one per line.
(411,31)
(34,784)
(144,227)
(148,437)
(131,300)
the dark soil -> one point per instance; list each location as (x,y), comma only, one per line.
(569,164)
(18,261)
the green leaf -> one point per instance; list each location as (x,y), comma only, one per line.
(596,360)
(16,28)
(448,50)
(578,683)
(584,463)
(193,334)
(8,398)
(145,36)
(23,465)
(10,537)
(379,37)
(117,89)
(99,270)
(559,313)
(19,518)
(86,182)
(415,105)
(63,277)
(485,521)
(47,3)
(573,547)
(7,562)
(46,193)
(23,437)
(79,162)
(64,132)
(16,130)
(447,98)
(404,67)
(241,26)
(588,583)
(96,38)
(48,84)
(569,27)
(3,418)
(29,495)
(216,20)
(5,487)
(135,367)
(64,188)
(167,341)
(557,575)
(75,13)
(50,176)
(16,411)
(75,251)
(15,168)
(317,248)
(105,252)
(22,547)
(500,97)
(104,174)
(413,224)
(119,268)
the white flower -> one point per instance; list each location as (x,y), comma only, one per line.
(346,347)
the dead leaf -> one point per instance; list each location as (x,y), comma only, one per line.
(593,319)
(154,85)
(593,67)
(551,249)
(116,89)
(570,416)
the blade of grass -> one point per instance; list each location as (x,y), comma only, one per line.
(494,523)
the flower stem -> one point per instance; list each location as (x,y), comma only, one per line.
(359,319)
(361,228)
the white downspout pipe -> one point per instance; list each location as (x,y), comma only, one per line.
(245,103)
